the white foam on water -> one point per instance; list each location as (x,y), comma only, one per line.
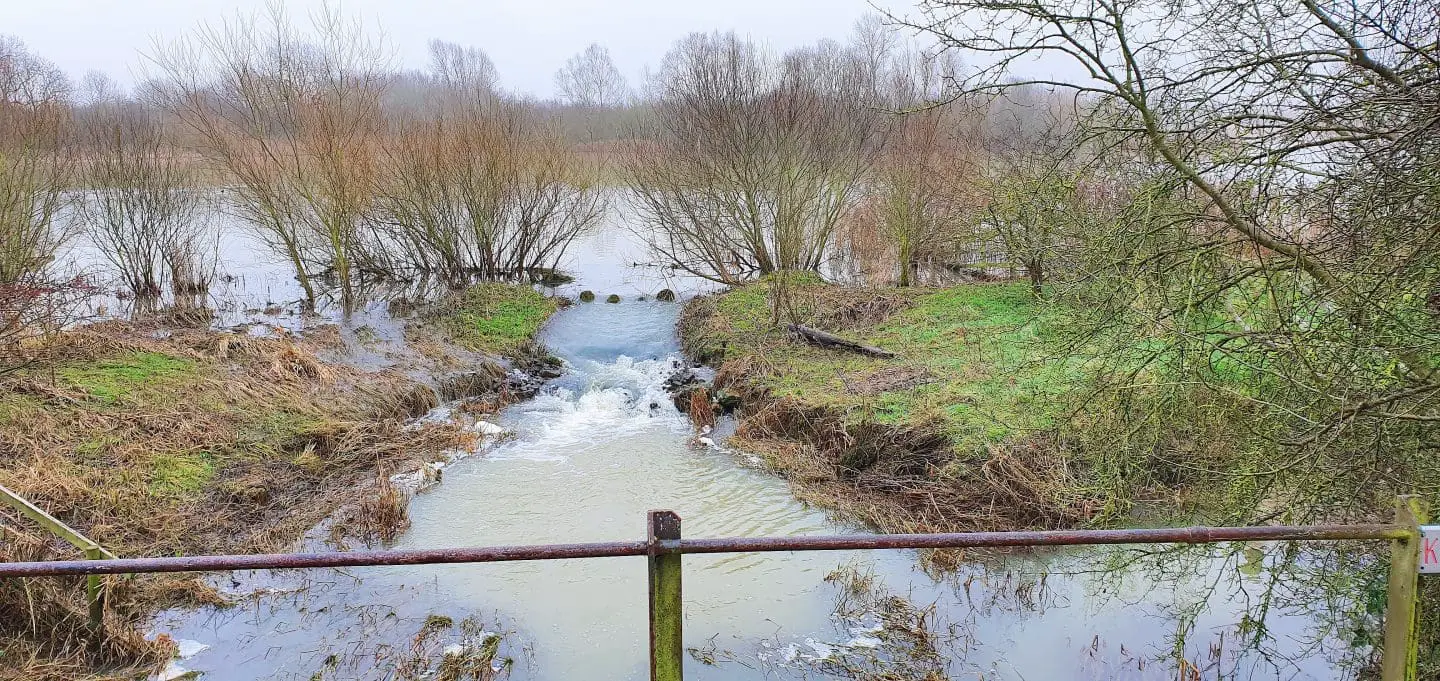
(620,398)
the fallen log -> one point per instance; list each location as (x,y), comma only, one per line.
(830,340)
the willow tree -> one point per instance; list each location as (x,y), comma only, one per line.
(919,191)
(36,171)
(749,162)
(142,204)
(484,189)
(35,161)
(293,117)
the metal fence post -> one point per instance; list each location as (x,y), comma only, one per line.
(1398,658)
(667,649)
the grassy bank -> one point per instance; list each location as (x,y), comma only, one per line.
(986,418)
(991,417)
(953,433)
(189,442)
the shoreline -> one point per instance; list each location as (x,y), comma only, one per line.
(173,441)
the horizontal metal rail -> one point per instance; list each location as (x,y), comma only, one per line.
(495,554)
(664,547)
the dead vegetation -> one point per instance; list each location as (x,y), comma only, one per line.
(380,516)
(198,443)
(898,640)
(900,478)
(473,653)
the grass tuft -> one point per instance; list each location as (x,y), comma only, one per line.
(181,475)
(495,318)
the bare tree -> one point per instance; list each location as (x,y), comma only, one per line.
(36,169)
(590,79)
(1279,210)
(917,193)
(1034,187)
(486,190)
(141,205)
(294,119)
(461,72)
(27,79)
(752,161)
(875,45)
(35,163)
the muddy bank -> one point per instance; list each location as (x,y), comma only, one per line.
(164,441)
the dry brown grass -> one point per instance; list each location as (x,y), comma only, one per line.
(906,478)
(474,653)
(915,639)
(382,515)
(702,414)
(200,442)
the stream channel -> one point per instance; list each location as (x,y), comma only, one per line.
(601,445)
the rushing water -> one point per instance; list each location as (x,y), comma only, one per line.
(602,445)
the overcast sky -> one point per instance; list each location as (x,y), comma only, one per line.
(528,39)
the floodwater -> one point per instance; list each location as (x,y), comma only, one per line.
(603,444)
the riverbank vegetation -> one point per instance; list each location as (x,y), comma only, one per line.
(1277,278)
(1197,281)
(199,443)
(954,433)
(1230,316)
(496,319)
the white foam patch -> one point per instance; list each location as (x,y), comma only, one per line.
(615,403)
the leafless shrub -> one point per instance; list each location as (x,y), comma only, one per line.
(293,118)
(750,162)
(36,161)
(917,196)
(142,207)
(36,167)
(480,189)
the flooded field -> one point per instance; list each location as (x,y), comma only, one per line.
(600,446)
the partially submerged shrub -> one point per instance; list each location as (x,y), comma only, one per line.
(383,514)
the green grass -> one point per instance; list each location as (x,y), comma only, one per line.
(181,474)
(125,378)
(979,353)
(497,318)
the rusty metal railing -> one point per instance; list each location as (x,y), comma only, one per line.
(664,547)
